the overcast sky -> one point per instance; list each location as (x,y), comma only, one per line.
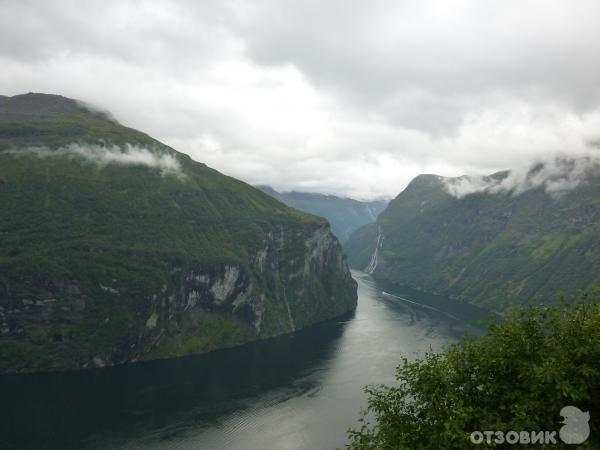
(340,96)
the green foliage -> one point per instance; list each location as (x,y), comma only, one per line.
(206,333)
(56,208)
(66,221)
(518,376)
(490,249)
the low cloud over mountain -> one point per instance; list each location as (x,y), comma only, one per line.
(103,156)
(347,97)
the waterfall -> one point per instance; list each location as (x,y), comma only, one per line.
(289,311)
(375,256)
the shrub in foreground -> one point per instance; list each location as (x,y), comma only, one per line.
(518,376)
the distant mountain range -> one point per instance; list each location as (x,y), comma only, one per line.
(491,241)
(116,248)
(344,214)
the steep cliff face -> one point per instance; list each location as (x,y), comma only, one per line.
(52,324)
(121,249)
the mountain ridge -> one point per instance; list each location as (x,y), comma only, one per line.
(106,258)
(343,213)
(493,247)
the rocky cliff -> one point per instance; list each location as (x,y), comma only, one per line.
(115,248)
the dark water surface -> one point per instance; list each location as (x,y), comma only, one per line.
(293,392)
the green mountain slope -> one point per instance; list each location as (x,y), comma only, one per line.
(116,248)
(491,248)
(344,214)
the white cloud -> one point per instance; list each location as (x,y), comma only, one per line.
(105,155)
(555,175)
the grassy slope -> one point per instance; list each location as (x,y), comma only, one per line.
(491,250)
(206,215)
(126,226)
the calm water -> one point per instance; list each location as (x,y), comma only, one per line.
(292,392)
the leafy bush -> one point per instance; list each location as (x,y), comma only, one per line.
(518,376)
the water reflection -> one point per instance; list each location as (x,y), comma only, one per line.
(292,392)
(68,408)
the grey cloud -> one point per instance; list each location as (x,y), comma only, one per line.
(165,36)
(345,97)
(455,52)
